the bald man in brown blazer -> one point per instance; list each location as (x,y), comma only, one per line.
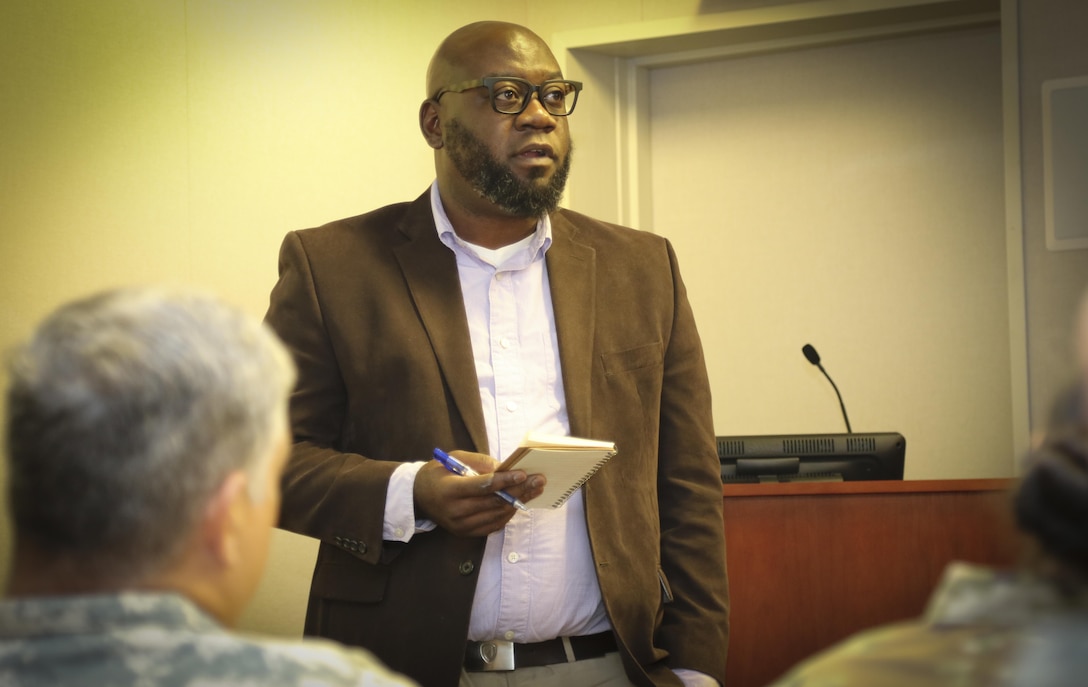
(458,320)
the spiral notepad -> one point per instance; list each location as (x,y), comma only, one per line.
(567,462)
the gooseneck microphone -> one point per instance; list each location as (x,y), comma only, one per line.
(814,358)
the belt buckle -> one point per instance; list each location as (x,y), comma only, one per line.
(495,654)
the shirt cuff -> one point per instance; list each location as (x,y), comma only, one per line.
(400,511)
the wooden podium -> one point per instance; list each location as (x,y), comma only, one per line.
(812,563)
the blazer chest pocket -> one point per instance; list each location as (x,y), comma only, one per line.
(648,355)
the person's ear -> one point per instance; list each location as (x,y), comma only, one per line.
(222,527)
(430,123)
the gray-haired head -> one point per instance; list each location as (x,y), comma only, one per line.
(126,410)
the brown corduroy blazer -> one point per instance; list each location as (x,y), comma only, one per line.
(371,308)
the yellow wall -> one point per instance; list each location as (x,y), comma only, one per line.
(171,140)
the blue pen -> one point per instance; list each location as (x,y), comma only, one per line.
(457,467)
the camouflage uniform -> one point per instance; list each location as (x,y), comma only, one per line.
(975,623)
(1054,654)
(161,640)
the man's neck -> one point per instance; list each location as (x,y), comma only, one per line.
(488,226)
(491,232)
(34,576)
(40,575)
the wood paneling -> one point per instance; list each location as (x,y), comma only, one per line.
(810,564)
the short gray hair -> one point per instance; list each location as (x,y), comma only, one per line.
(126,410)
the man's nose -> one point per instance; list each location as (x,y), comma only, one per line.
(535,114)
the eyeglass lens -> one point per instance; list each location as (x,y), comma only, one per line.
(511,96)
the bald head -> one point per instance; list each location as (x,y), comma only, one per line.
(466,52)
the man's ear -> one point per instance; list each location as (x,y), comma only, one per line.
(430,124)
(221,530)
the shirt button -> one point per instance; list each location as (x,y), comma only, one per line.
(399,531)
(504,342)
(512,406)
(513,557)
(509,635)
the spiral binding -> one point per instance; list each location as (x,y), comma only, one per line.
(585,478)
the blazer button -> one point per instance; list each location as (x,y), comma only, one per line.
(467,568)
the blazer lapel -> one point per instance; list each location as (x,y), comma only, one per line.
(572,272)
(430,270)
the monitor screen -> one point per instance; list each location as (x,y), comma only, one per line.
(812,457)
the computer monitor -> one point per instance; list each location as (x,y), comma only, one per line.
(812,457)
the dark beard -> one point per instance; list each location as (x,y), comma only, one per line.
(495,182)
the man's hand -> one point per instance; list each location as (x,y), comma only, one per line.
(468,506)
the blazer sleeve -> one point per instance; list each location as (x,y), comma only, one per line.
(695,626)
(328,494)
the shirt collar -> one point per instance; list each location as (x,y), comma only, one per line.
(541,238)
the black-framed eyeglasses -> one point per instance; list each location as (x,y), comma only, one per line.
(511,95)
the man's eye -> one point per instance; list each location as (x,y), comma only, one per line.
(508,92)
(555,95)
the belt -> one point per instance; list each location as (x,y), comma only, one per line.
(498,654)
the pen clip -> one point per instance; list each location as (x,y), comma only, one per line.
(453,465)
